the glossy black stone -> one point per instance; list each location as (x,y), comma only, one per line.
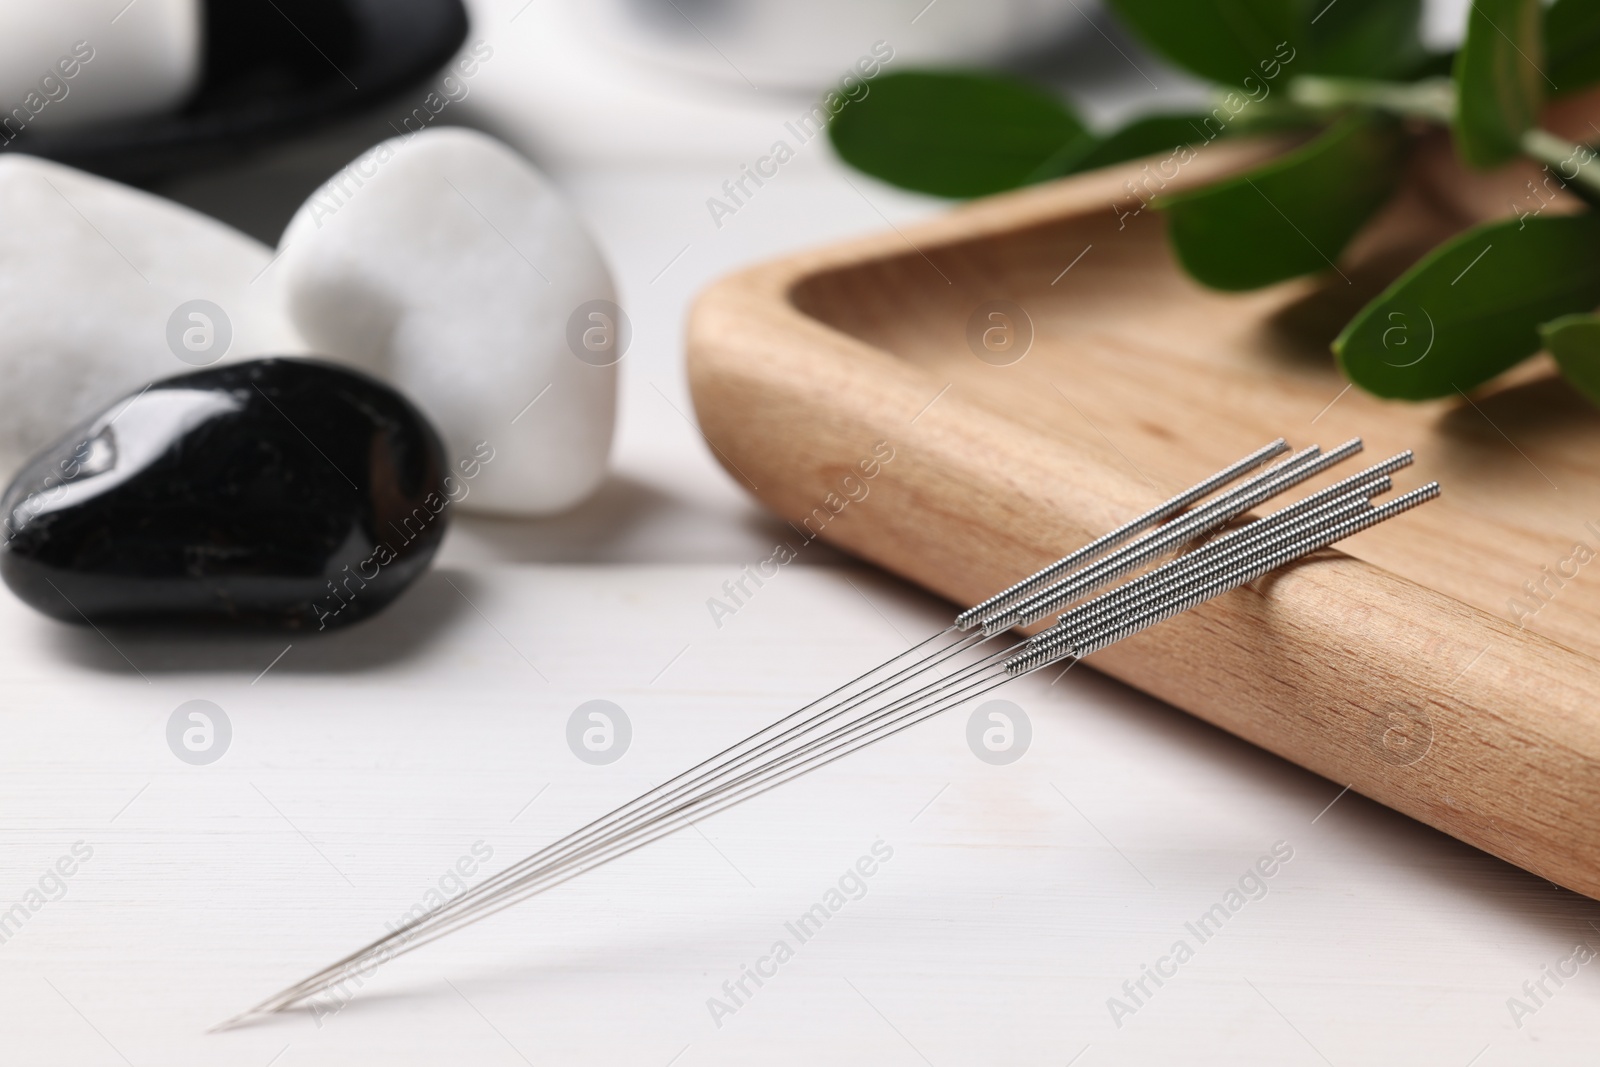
(284,492)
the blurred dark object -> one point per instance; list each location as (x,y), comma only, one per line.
(274,70)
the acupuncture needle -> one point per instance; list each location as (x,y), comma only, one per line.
(547,857)
(583,850)
(547,879)
(675,821)
(544,872)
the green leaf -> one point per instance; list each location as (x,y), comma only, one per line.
(1499,85)
(1142,137)
(1366,38)
(1229,41)
(1471,308)
(953,134)
(1572,44)
(1291,216)
(1226,41)
(1154,135)
(1430,65)
(1574,340)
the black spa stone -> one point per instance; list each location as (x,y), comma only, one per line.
(280,492)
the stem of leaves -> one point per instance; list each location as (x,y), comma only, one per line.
(1573,164)
(1432,100)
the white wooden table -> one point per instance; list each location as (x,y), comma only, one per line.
(1018,899)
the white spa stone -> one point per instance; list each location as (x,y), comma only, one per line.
(448,265)
(75,62)
(91,273)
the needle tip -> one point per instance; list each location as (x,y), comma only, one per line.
(237,1020)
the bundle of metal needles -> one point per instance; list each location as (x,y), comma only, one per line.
(958,664)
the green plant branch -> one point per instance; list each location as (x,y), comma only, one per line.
(1432,100)
(1575,164)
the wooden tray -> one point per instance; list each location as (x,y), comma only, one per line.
(1399,668)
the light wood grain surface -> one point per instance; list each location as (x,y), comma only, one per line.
(1018,899)
(1401,668)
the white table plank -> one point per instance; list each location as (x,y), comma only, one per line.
(1018,898)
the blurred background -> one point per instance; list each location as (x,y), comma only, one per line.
(640,110)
